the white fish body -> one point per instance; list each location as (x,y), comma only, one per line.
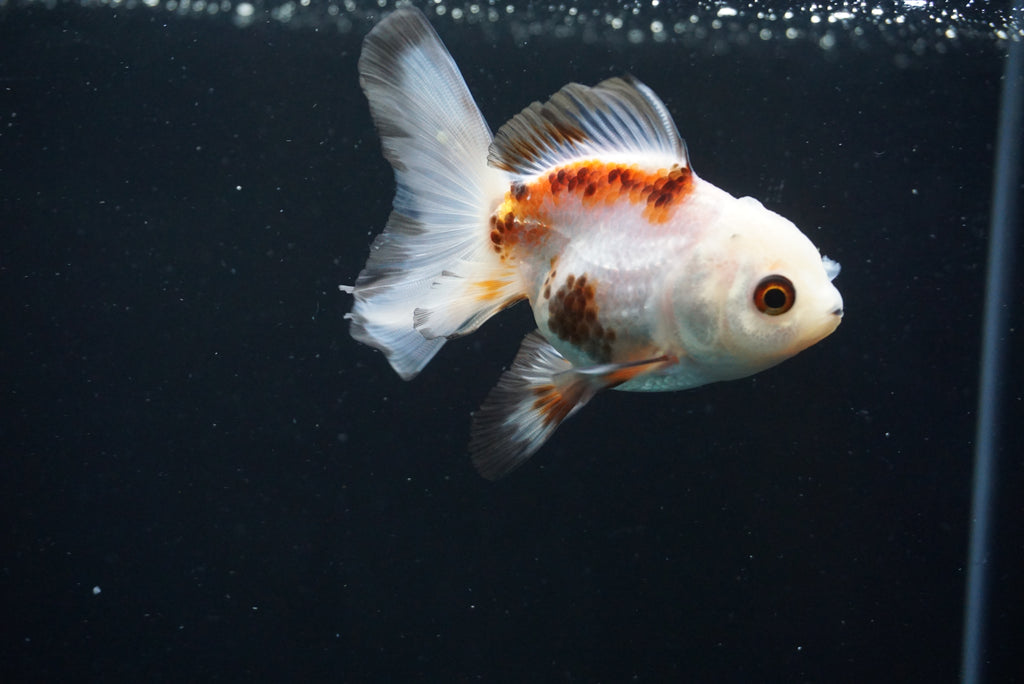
(641,275)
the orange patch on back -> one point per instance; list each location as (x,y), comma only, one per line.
(521,219)
(511,228)
(595,183)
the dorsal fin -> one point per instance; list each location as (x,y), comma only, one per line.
(619,118)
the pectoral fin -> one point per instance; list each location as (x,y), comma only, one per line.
(533,398)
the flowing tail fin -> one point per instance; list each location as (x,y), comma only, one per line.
(432,274)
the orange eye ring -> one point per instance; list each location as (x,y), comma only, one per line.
(774,295)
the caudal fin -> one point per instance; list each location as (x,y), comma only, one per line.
(432,273)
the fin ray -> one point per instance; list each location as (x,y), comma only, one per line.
(618,118)
(522,411)
(533,398)
(436,140)
(457,306)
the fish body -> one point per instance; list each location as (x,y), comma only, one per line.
(641,275)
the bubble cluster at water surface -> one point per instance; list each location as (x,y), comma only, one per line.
(921,25)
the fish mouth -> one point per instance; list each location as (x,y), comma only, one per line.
(837,300)
(834,317)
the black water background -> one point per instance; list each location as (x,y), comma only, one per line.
(187,426)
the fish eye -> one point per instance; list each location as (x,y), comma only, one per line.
(774,295)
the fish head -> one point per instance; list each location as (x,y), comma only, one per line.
(763,293)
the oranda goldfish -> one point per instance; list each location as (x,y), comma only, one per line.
(641,275)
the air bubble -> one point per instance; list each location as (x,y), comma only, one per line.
(918,25)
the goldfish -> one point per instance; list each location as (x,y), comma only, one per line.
(641,275)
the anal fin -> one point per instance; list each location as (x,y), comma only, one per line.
(457,304)
(533,397)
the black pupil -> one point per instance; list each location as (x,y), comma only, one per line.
(775,298)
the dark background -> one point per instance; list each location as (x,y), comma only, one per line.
(187,426)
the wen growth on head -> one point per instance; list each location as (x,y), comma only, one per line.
(641,275)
